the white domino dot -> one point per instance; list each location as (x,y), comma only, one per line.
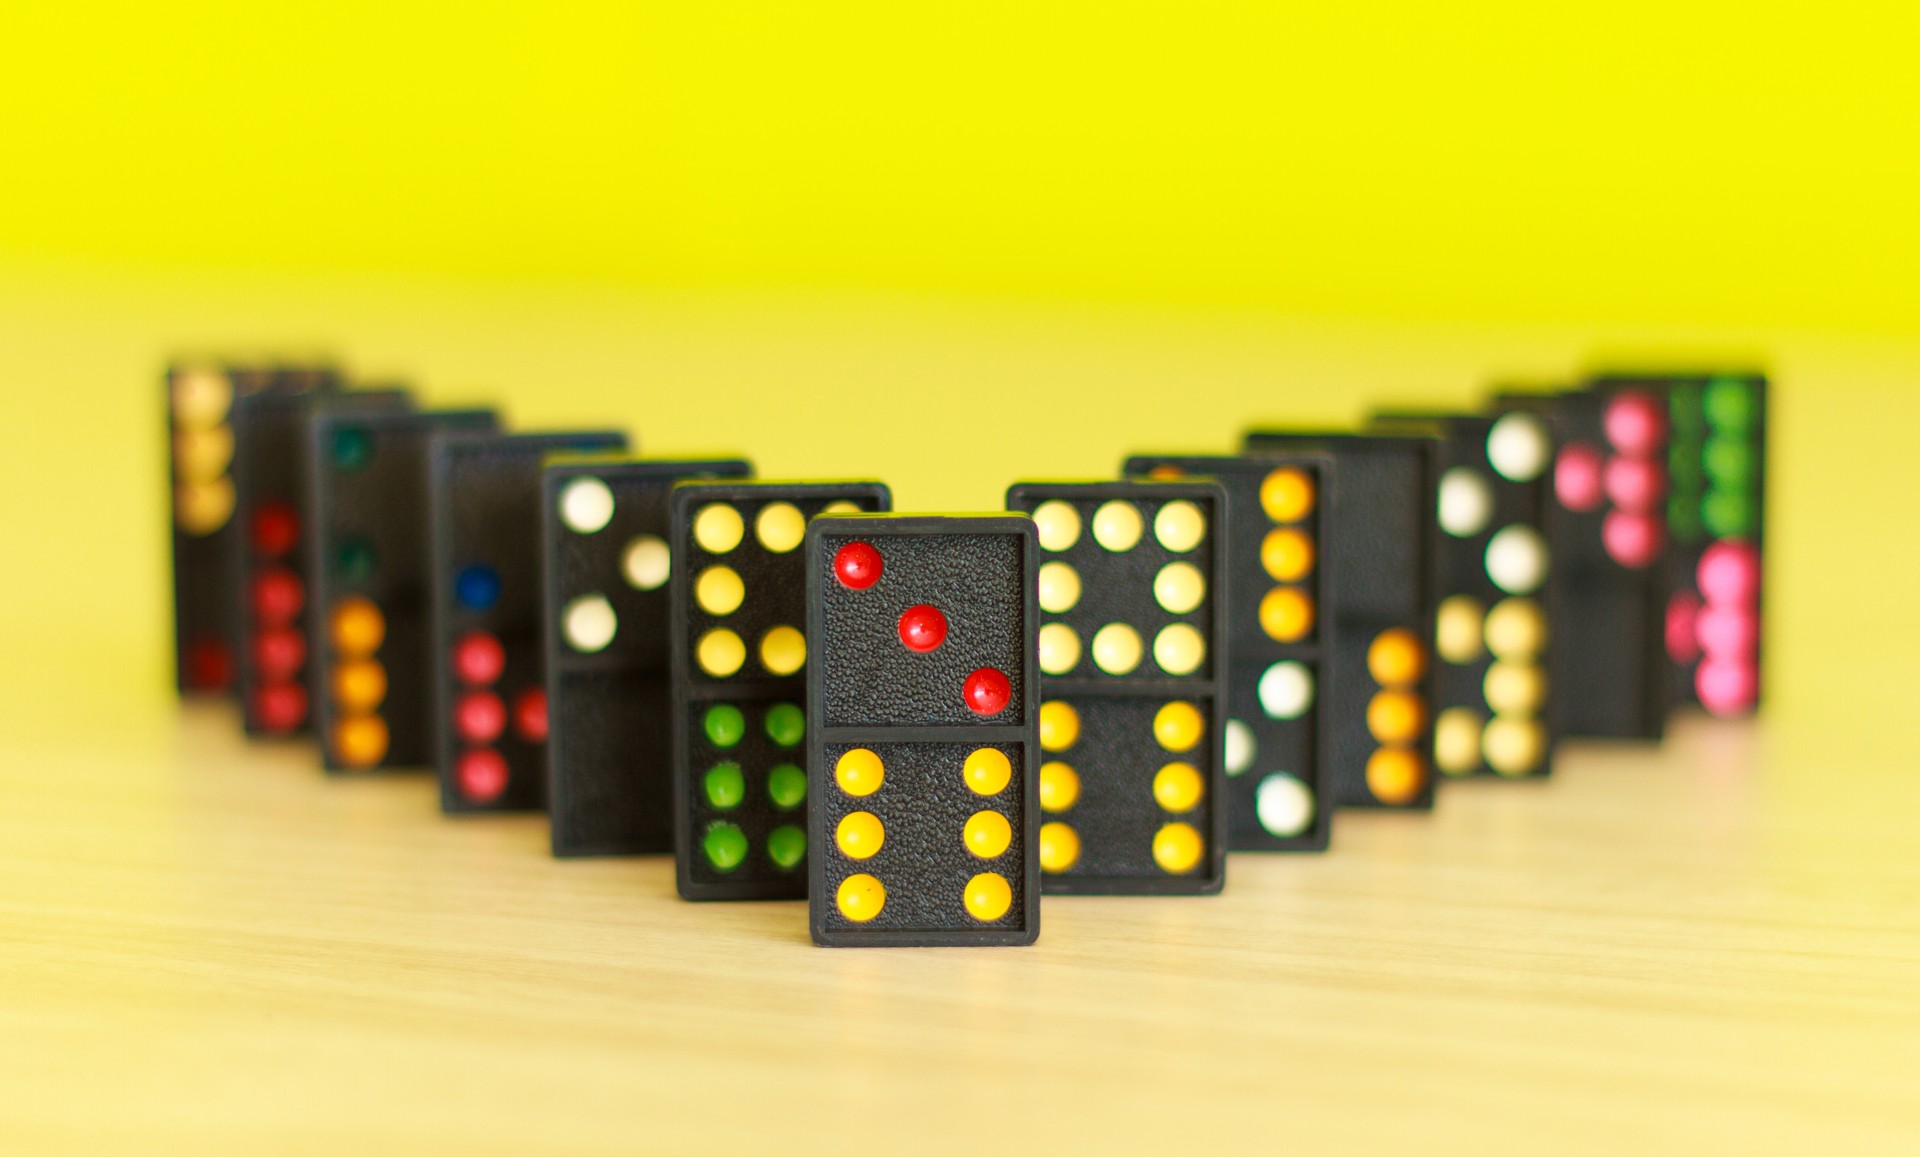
(1518,447)
(1517,559)
(1241,748)
(1466,502)
(1286,690)
(1283,804)
(647,563)
(588,623)
(586,505)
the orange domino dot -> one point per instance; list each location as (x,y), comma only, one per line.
(356,626)
(1287,494)
(860,897)
(1286,614)
(1396,716)
(360,740)
(1395,775)
(359,684)
(1286,554)
(1395,658)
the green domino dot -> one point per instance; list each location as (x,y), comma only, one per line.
(787,785)
(724,725)
(786,724)
(354,561)
(1727,513)
(1730,405)
(725,785)
(352,448)
(1729,462)
(786,845)
(725,846)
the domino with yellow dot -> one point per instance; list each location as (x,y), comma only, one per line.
(739,654)
(1131,646)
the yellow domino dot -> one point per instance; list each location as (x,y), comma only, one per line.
(1396,716)
(356,626)
(859,835)
(719,590)
(203,507)
(1286,614)
(1059,847)
(780,526)
(1456,741)
(359,684)
(1059,588)
(1286,555)
(1287,494)
(1395,658)
(987,834)
(1177,848)
(860,897)
(859,772)
(1514,688)
(1178,726)
(783,650)
(1514,746)
(1457,628)
(1059,726)
(987,771)
(988,896)
(1395,775)
(1059,786)
(1516,629)
(1177,787)
(360,740)
(202,455)
(720,652)
(1179,526)
(718,528)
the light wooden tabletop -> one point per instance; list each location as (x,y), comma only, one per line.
(1714,945)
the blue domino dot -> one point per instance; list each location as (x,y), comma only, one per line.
(477,587)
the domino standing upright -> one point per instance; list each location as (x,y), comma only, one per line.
(1279,600)
(1131,652)
(923,737)
(606,565)
(739,611)
(490,697)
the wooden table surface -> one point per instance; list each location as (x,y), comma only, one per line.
(207,945)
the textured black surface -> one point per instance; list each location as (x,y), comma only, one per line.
(1380,534)
(979,569)
(775,595)
(1249,649)
(1608,668)
(380,503)
(609,773)
(270,442)
(1459,563)
(484,503)
(205,568)
(1116,756)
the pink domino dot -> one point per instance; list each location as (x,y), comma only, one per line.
(1635,423)
(1683,617)
(1728,633)
(1576,477)
(1632,539)
(1636,484)
(1729,574)
(1727,686)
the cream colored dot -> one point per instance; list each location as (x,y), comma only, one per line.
(1059,587)
(1517,559)
(1518,447)
(719,590)
(1514,688)
(1117,525)
(1457,629)
(588,623)
(1059,649)
(1058,523)
(586,505)
(1514,745)
(718,528)
(780,526)
(1116,648)
(1516,629)
(840,506)
(1179,649)
(1179,587)
(1466,502)
(1456,741)
(201,398)
(1241,747)
(647,563)
(1179,526)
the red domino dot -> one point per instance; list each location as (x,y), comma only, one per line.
(279,653)
(275,530)
(208,665)
(479,717)
(277,596)
(857,565)
(1683,617)
(1576,477)
(279,706)
(530,715)
(922,628)
(481,774)
(1636,484)
(1635,423)
(1729,574)
(1632,540)
(986,692)
(478,659)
